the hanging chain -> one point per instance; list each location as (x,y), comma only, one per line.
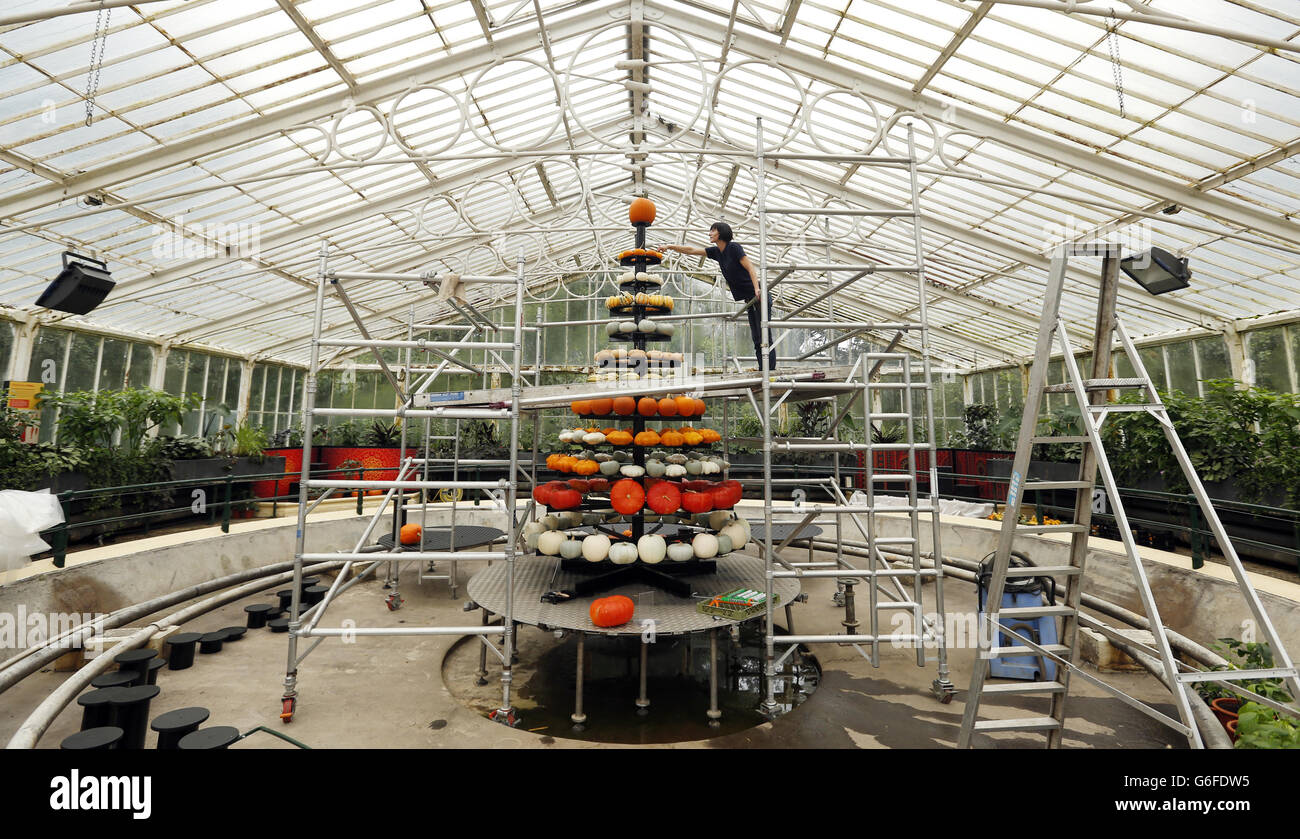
(96,59)
(1112,38)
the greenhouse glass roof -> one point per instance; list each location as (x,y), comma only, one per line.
(231,139)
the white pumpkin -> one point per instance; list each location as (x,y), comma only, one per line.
(724,544)
(612,327)
(694,467)
(651,548)
(654,468)
(601,457)
(609,468)
(627,276)
(736,533)
(570,518)
(680,552)
(549,542)
(705,545)
(631,470)
(595,548)
(550,522)
(674,470)
(646,325)
(571,549)
(667,329)
(718,519)
(676,458)
(593,438)
(642,277)
(627,326)
(622,553)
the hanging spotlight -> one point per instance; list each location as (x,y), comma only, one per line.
(79,288)
(1157,270)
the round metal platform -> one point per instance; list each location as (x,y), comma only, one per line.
(439,538)
(534,576)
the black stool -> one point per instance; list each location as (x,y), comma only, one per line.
(233,633)
(155,664)
(117,679)
(180,650)
(174,725)
(286,599)
(136,661)
(105,737)
(96,708)
(314,594)
(216,737)
(308,582)
(257,614)
(211,642)
(279,625)
(132,708)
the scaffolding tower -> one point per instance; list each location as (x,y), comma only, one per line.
(415,401)
(886,590)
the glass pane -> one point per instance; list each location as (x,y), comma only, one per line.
(81,362)
(1153,358)
(255,392)
(1182,367)
(215,408)
(141,369)
(366,384)
(195,368)
(282,402)
(1123,367)
(1213,355)
(6,347)
(1267,348)
(112,365)
(47,358)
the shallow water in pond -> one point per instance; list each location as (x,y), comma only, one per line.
(677,687)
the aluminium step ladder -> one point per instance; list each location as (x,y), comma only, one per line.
(1091,396)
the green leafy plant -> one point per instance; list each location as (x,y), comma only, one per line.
(888,432)
(979,432)
(117,417)
(1244,655)
(479,437)
(346,434)
(1260,727)
(1062,422)
(249,441)
(287,438)
(180,448)
(383,435)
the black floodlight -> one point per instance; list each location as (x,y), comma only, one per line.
(1157,270)
(79,288)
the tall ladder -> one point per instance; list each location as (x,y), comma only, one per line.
(1091,395)
(881,575)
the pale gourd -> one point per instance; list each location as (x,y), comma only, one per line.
(705,545)
(622,456)
(667,329)
(651,548)
(550,522)
(675,470)
(627,326)
(622,553)
(570,518)
(601,457)
(724,544)
(631,470)
(611,328)
(571,549)
(736,532)
(595,548)
(646,325)
(718,519)
(677,458)
(681,552)
(549,542)
(694,467)
(654,468)
(627,276)
(534,529)
(642,277)
(594,438)
(609,468)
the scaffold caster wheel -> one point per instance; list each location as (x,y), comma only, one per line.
(393,602)
(506,718)
(287,706)
(943,691)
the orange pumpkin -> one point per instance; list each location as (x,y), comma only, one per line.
(647,438)
(601,407)
(611,611)
(410,534)
(551,459)
(619,438)
(582,407)
(627,497)
(624,406)
(710,436)
(700,407)
(566,463)
(667,407)
(671,438)
(641,211)
(685,406)
(586,467)
(693,438)
(646,406)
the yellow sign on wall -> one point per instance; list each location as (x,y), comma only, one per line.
(23,396)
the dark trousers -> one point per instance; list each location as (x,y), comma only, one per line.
(755,332)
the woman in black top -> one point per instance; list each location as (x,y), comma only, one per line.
(741,279)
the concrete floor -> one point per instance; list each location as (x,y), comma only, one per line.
(419,692)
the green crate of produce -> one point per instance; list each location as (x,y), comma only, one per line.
(737,605)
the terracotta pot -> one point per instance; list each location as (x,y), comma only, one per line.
(1232,729)
(1225,708)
